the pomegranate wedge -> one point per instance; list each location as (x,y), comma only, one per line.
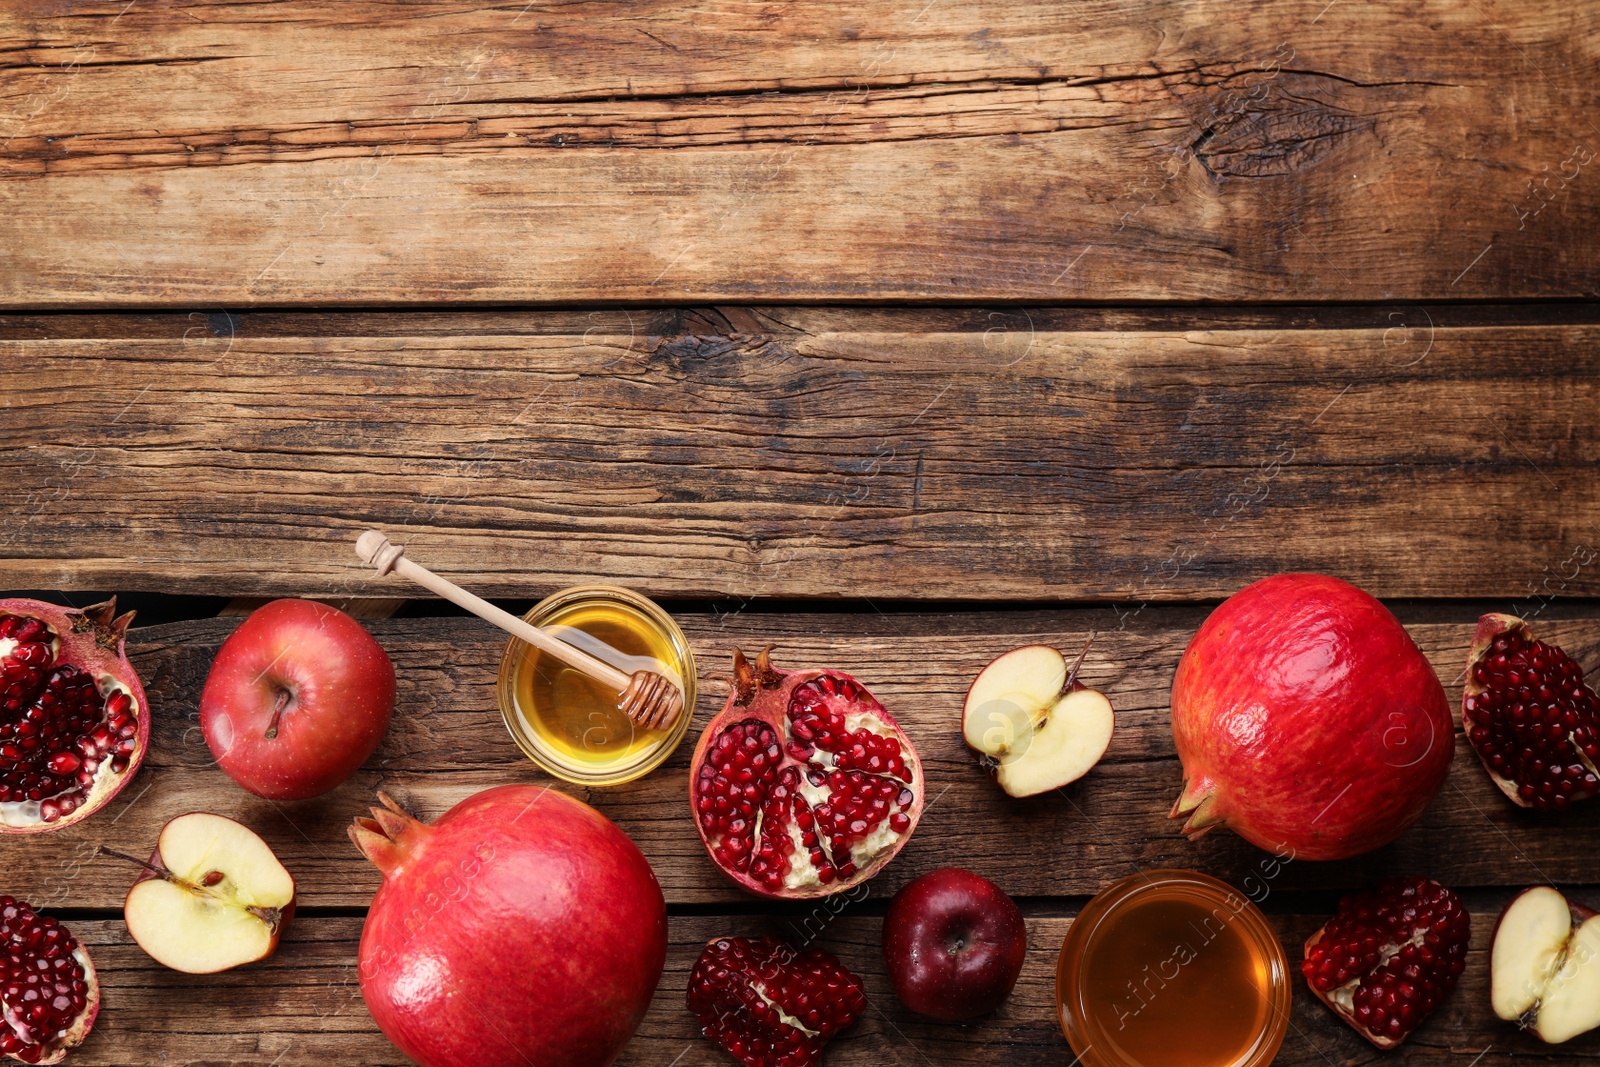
(1530,717)
(74,725)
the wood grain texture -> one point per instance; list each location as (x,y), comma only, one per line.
(813,459)
(303,1007)
(447,742)
(167,155)
(423,321)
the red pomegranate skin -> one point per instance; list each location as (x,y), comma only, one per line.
(522,928)
(1308,721)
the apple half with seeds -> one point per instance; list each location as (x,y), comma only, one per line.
(1032,723)
(213,896)
(1544,968)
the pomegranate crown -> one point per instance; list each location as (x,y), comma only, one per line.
(388,836)
(749,680)
(109,628)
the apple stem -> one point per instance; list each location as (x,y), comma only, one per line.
(1072,675)
(284,697)
(153,868)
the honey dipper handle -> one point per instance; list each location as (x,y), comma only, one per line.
(376,549)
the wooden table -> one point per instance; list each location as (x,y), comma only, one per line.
(896,333)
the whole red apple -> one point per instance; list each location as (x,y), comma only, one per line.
(1308,721)
(298,697)
(954,944)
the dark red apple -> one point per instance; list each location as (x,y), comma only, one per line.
(954,944)
(298,698)
(1308,721)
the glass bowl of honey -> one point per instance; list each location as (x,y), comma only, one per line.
(567,722)
(1173,969)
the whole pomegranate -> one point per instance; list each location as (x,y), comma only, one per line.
(74,724)
(522,927)
(1307,720)
(49,995)
(804,785)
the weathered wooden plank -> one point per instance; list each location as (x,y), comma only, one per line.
(303,1007)
(447,742)
(997,462)
(779,320)
(891,149)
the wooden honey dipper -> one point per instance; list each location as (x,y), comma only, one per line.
(649,699)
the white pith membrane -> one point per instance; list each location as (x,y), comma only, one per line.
(783,1016)
(27,812)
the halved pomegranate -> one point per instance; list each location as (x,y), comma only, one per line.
(49,995)
(1530,717)
(768,1004)
(804,785)
(74,724)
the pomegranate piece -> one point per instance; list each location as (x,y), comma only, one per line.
(1389,957)
(804,785)
(74,725)
(768,1004)
(1530,717)
(49,995)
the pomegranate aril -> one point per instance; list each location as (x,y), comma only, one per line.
(64,763)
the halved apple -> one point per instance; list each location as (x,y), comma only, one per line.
(213,896)
(1035,726)
(1544,968)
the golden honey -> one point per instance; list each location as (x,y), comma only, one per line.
(1172,969)
(567,722)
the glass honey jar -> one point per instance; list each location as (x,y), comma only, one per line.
(567,722)
(1172,969)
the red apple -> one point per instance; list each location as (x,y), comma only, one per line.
(954,944)
(1307,720)
(298,698)
(212,897)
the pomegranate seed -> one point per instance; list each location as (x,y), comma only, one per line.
(63,763)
